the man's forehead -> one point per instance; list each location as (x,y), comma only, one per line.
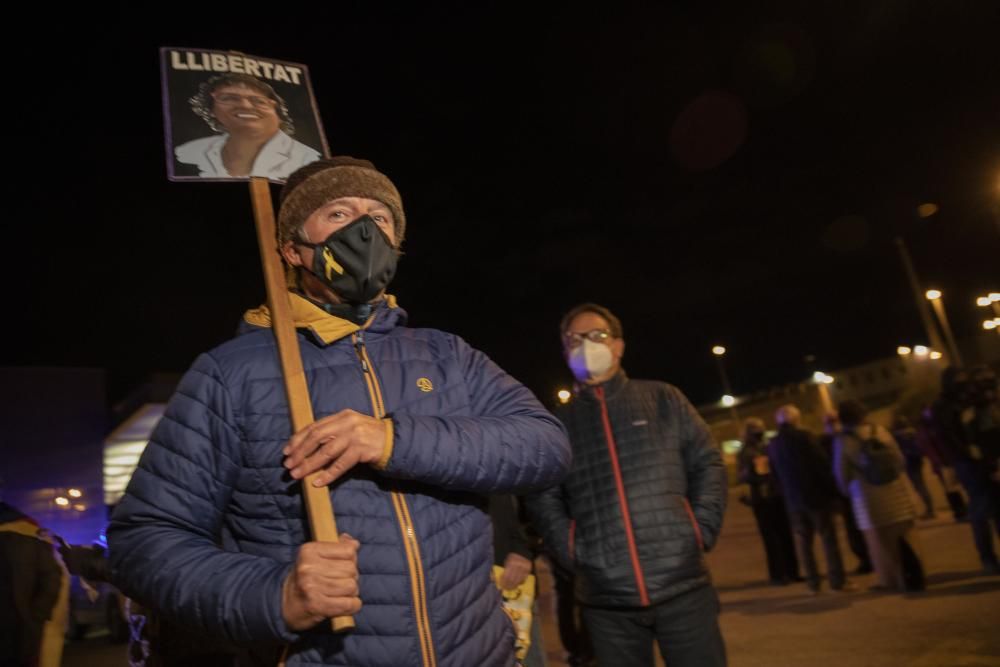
(586,321)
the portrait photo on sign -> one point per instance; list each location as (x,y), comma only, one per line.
(230,116)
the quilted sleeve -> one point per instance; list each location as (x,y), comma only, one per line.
(164,535)
(508,444)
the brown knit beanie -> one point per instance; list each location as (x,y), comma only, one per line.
(320,182)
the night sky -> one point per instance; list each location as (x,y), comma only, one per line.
(713,172)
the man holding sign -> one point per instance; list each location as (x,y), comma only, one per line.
(413,427)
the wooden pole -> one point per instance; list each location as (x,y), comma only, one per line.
(322,524)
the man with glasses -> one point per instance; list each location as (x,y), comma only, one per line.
(642,504)
(253,129)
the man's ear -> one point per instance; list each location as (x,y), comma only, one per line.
(618,347)
(292,254)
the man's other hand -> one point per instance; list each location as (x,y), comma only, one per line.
(322,584)
(516,569)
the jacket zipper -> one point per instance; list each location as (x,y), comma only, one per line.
(633,551)
(410,543)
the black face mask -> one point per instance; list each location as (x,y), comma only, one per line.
(357,261)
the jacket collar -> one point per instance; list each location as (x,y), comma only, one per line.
(611,387)
(328,328)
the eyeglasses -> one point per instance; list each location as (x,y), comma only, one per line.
(232,99)
(573,339)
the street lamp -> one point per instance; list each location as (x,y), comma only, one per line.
(719,351)
(563,395)
(925,313)
(991,300)
(903,350)
(819,377)
(935,355)
(934,296)
(728,401)
(822,380)
(921,350)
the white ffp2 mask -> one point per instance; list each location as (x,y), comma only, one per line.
(590,360)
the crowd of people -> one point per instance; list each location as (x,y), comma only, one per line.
(873,478)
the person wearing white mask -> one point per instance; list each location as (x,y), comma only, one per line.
(643,502)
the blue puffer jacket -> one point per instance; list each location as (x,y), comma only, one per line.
(211,522)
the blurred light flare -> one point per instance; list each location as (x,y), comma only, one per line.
(926,210)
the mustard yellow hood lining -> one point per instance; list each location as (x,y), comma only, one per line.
(307,315)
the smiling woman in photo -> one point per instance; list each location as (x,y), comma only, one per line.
(253,129)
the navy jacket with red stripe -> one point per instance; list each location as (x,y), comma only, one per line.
(644,498)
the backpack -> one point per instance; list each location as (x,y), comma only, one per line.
(876,460)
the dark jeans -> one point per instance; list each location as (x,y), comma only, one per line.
(806,525)
(776,533)
(915,471)
(572,631)
(984,507)
(685,627)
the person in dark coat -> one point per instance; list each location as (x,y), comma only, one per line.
(768,505)
(855,540)
(968,414)
(30,579)
(933,447)
(906,437)
(805,476)
(643,502)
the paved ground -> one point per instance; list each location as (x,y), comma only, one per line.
(956,623)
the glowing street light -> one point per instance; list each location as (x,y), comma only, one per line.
(935,355)
(563,395)
(991,300)
(819,377)
(989,325)
(903,350)
(62,502)
(718,351)
(921,350)
(934,296)
(74,493)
